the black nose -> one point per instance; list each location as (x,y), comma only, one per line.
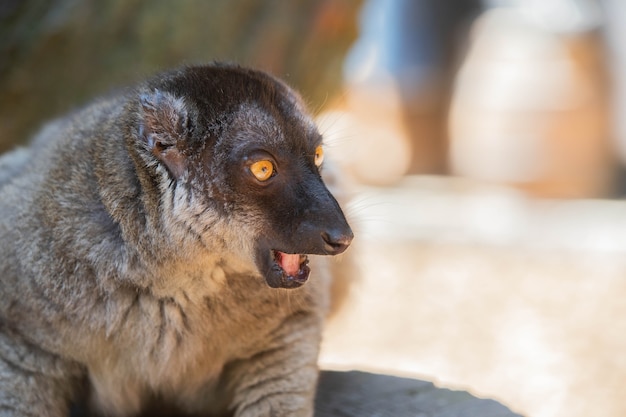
(336,241)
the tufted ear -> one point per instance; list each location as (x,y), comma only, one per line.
(163,129)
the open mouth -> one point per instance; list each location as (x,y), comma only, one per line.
(287,270)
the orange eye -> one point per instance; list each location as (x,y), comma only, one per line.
(262,170)
(319,155)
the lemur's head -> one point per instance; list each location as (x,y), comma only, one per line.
(242,161)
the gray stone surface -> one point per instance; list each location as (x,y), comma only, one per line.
(354,393)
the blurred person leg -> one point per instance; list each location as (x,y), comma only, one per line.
(397,76)
(530,105)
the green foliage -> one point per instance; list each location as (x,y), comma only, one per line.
(55,55)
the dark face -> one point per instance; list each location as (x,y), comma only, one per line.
(274,174)
(257,157)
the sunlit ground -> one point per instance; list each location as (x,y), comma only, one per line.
(479,286)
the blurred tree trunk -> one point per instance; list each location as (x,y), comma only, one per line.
(57,54)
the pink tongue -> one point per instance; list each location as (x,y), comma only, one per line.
(289,263)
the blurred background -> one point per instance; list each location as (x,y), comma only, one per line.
(482,143)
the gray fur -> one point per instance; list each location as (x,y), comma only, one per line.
(121,285)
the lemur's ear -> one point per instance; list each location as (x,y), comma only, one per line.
(163,129)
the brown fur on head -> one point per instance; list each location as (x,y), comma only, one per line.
(203,132)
